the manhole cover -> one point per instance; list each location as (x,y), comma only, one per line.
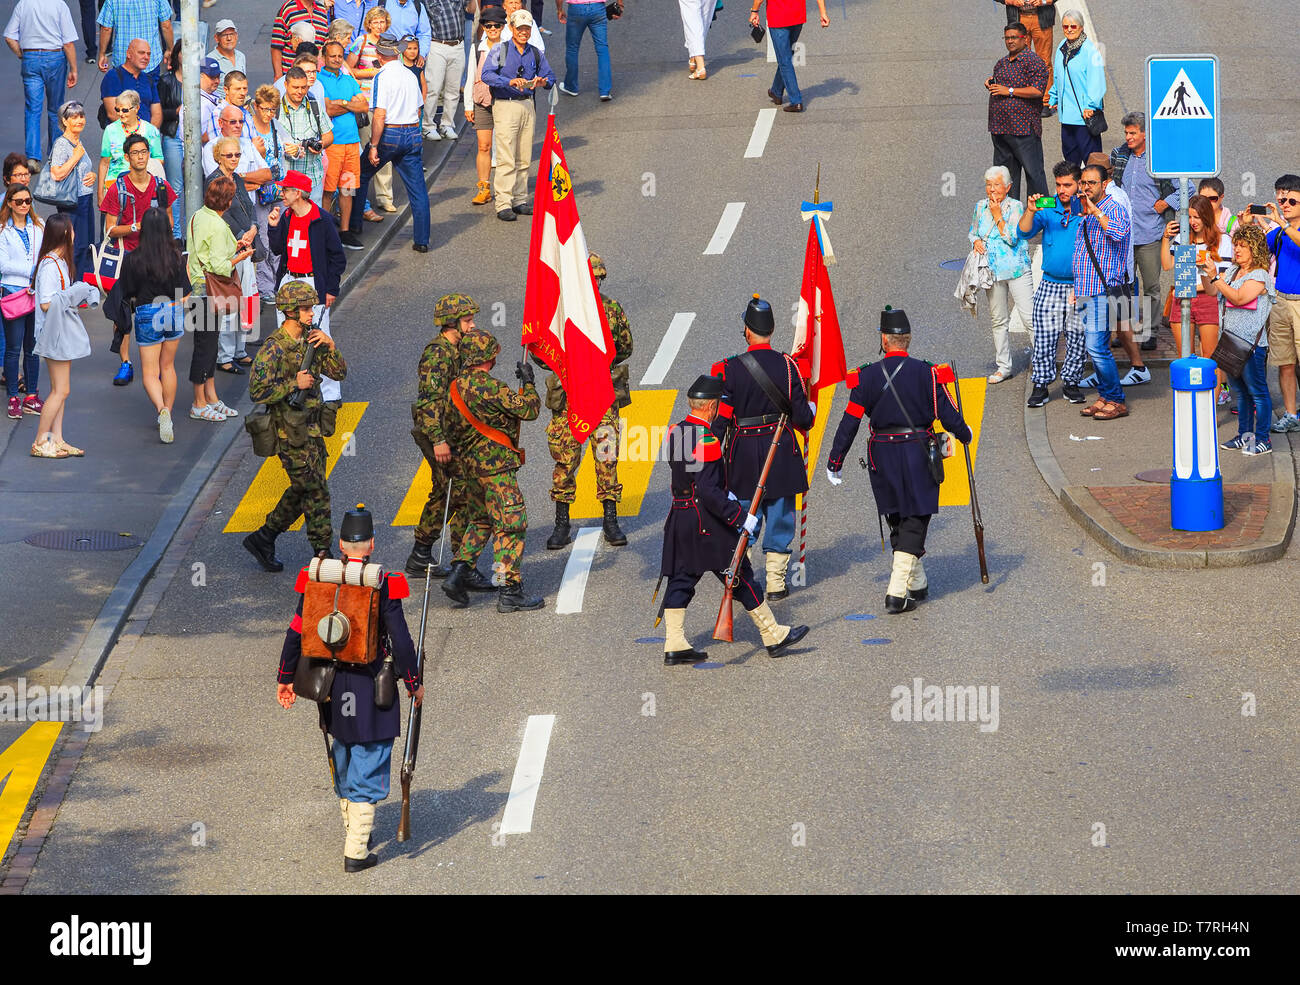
(1153,475)
(952,264)
(84,540)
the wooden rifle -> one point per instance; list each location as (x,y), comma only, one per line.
(722,628)
(415,717)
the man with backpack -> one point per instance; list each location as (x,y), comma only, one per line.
(513,71)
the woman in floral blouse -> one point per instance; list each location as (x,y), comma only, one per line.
(994,232)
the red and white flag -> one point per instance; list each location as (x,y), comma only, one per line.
(818,347)
(564,320)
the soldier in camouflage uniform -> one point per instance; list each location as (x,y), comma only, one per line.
(276,376)
(482,424)
(439,365)
(565,449)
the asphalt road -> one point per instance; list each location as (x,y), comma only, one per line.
(1120,688)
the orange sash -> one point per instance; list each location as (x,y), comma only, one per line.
(489,432)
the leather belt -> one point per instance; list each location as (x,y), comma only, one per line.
(25,50)
(896,431)
(449,44)
(895,435)
(755,422)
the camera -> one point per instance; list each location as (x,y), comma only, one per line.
(313,144)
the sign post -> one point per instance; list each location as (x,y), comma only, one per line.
(1183,143)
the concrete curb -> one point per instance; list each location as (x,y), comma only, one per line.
(113,616)
(1111,534)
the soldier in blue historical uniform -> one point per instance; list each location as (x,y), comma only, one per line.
(902,397)
(746,418)
(363,734)
(703,527)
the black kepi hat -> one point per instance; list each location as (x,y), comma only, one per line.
(358,525)
(893,321)
(705,388)
(758,317)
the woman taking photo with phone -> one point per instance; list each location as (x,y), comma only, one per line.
(1209,243)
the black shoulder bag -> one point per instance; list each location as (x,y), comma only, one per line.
(933,453)
(1123,290)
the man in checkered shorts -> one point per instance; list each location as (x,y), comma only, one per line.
(1054,309)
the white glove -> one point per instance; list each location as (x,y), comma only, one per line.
(751,523)
(732,496)
(833,477)
(812,407)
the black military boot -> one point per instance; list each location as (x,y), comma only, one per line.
(454,584)
(475,582)
(513,599)
(614,536)
(421,557)
(261,544)
(560,535)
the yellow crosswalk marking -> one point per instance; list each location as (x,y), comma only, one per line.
(20,768)
(955,490)
(270,482)
(408,514)
(644,422)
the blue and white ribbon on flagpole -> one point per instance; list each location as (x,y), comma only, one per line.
(819,212)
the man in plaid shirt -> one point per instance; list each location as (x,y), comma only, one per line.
(1100,268)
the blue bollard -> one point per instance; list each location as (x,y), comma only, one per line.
(1195,484)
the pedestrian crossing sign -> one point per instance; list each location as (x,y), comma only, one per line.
(1183,116)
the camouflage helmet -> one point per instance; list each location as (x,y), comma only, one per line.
(478,347)
(598,265)
(453,307)
(295,295)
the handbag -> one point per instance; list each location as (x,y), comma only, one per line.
(1232,353)
(61,194)
(106,263)
(223,291)
(1096,124)
(19,304)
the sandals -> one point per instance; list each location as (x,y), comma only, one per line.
(72,450)
(246,361)
(230,368)
(1093,408)
(1110,412)
(47,449)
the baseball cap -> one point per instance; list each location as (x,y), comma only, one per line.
(296,179)
(521,18)
(225,25)
(210,68)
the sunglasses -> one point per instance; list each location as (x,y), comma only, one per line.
(490,26)
(1287,201)
(1210,198)
(234,155)
(20,201)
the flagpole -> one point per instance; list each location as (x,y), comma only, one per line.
(803,500)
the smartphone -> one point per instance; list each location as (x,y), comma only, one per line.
(1258,210)
(1046,202)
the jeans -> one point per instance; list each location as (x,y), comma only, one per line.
(89,27)
(20,338)
(173,164)
(587,17)
(404,147)
(1094,314)
(45,79)
(83,234)
(785,83)
(778,523)
(1254,404)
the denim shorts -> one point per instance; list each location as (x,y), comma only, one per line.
(157,323)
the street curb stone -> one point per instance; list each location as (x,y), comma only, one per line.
(1111,534)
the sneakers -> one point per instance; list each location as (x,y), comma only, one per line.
(1236,444)
(1072,393)
(607,97)
(1224,395)
(1038,397)
(221,408)
(1135,376)
(125,374)
(33,404)
(506,215)
(1258,448)
(165,433)
(448,131)
(566,91)
(1089,382)
(206,413)
(15,409)
(351,241)
(432,134)
(1285,423)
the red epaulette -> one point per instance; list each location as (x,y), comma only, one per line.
(295,624)
(943,373)
(851,380)
(398,587)
(719,370)
(300,585)
(708,448)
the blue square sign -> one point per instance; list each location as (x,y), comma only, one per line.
(1183,116)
